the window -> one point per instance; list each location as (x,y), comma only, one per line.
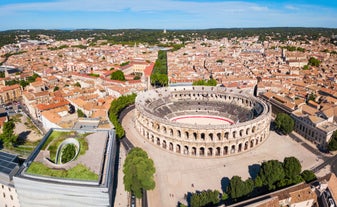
(11,197)
(4,195)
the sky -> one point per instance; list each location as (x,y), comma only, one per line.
(165,14)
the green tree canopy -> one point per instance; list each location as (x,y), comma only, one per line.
(77,84)
(56,88)
(159,79)
(314,62)
(80,113)
(284,123)
(308,176)
(292,168)
(8,137)
(210,82)
(117,75)
(239,188)
(138,172)
(271,172)
(332,146)
(205,198)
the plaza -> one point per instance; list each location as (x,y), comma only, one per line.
(177,174)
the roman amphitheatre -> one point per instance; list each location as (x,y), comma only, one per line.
(187,140)
(200,121)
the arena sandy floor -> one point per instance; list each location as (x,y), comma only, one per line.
(203,120)
(179,175)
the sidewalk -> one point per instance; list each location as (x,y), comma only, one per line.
(122,197)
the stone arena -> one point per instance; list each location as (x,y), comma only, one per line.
(201,121)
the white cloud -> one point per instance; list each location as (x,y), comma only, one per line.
(291,7)
(133,5)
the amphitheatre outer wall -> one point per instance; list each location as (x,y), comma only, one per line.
(156,110)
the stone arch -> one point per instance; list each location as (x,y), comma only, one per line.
(202,151)
(257,141)
(194,151)
(164,129)
(164,144)
(246,146)
(219,136)
(234,134)
(241,132)
(178,148)
(252,143)
(225,150)
(247,131)
(171,132)
(226,135)
(187,135)
(158,141)
(210,151)
(186,151)
(171,146)
(202,136)
(195,135)
(179,133)
(253,129)
(210,135)
(232,149)
(240,147)
(152,138)
(217,151)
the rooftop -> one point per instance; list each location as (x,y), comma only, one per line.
(71,156)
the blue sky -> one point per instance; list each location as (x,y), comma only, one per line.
(165,14)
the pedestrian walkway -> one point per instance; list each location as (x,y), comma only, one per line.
(122,197)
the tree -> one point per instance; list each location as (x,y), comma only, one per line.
(332,146)
(311,97)
(284,123)
(292,168)
(314,62)
(210,82)
(8,137)
(205,198)
(117,75)
(271,172)
(239,188)
(77,84)
(56,88)
(80,113)
(308,176)
(138,172)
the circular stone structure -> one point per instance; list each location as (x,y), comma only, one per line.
(202,121)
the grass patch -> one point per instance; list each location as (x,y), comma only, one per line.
(79,172)
(57,137)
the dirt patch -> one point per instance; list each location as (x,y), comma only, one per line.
(25,129)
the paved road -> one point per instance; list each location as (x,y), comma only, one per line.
(128,146)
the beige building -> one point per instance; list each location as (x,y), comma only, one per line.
(314,128)
(10,93)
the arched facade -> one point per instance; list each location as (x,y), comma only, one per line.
(156,108)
